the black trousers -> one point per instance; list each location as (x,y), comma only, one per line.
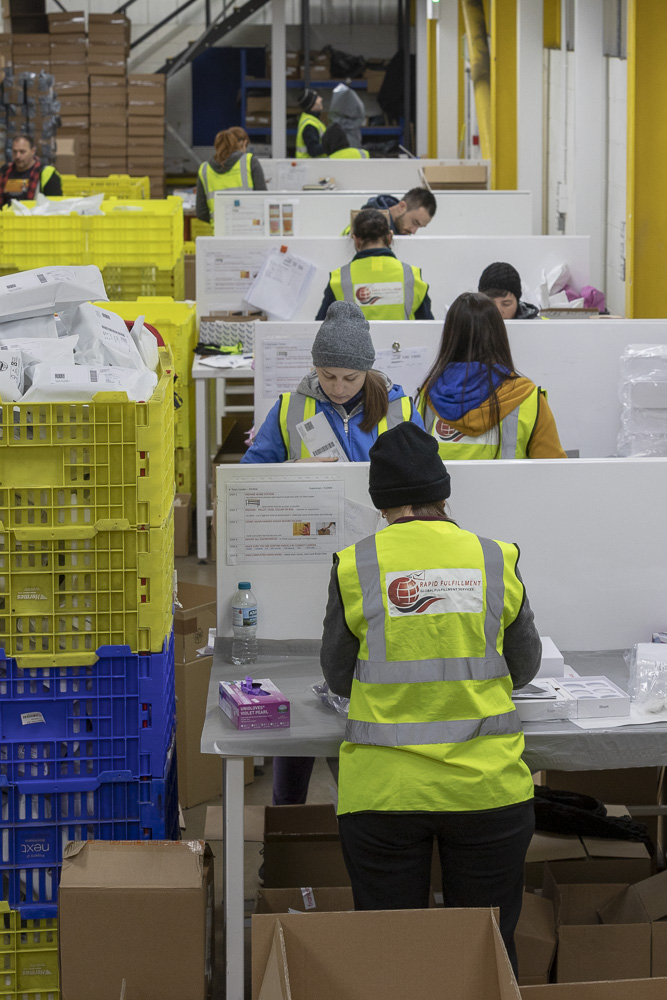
(388,857)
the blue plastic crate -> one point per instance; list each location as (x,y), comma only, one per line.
(38,819)
(117,715)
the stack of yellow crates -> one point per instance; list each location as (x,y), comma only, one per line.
(137,244)
(116,185)
(28,956)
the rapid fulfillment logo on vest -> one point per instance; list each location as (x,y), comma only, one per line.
(434,592)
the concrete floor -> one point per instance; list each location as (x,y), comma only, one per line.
(258,793)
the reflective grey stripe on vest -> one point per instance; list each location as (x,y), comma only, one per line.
(243,162)
(403,734)
(428,418)
(204,178)
(294,416)
(494,565)
(368,570)
(509,434)
(408,288)
(346,283)
(395,413)
(473,668)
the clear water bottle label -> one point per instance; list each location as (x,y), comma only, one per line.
(244,617)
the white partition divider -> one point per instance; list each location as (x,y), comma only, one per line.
(450,264)
(592,535)
(352,175)
(576,361)
(315,213)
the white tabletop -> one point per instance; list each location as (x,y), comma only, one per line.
(318,731)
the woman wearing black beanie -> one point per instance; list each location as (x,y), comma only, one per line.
(427,631)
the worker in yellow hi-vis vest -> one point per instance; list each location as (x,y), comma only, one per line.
(473,401)
(310,129)
(26,176)
(427,631)
(375,279)
(231,168)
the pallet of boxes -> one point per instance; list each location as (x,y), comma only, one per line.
(108,48)
(87,682)
(146,97)
(68,44)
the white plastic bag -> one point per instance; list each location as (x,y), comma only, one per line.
(79,383)
(11,376)
(90,205)
(47,290)
(31,327)
(104,339)
(34,351)
(146,344)
(648,676)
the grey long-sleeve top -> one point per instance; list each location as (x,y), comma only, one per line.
(522,647)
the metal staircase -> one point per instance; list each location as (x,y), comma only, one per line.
(220,27)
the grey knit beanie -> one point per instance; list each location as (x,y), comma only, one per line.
(344,339)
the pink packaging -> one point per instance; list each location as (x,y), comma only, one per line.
(254,703)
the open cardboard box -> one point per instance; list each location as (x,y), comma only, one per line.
(624,989)
(193,620)
(388,954)
(589,950)
(535,939)
(305,900)
(644,903)
(302,847)
(456,176)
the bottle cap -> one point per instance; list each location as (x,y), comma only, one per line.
(244,586)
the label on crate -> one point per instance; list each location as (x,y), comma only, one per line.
(30,718)
(31,594)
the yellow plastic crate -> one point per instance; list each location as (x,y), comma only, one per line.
(189,246)
(131,281)
(186,471)
(131,232)
(199,228)
(185,430)
(28,957)
(176,322)
(66,591)
(119,185)
(74,464)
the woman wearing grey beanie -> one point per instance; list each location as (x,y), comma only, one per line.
(357,402)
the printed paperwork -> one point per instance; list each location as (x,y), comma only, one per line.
(278,522)
(227,361)
(252,216)
(282,284)
(320,439)
(228,275)
(285,362)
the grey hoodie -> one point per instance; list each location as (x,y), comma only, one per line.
(256,172)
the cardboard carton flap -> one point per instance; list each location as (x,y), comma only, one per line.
(554,847)
(150,864)
(638,989)
(195,598)
(639,903)
(286,822)
(275,983)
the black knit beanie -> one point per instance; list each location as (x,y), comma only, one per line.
(406,468)
(500,277)
(307,99)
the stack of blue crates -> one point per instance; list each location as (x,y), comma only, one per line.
(86,753)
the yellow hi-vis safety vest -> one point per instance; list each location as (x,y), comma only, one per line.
(295,408)
(515,431)
(383,286)
(238,176)
(432,726)
(350,153)
(306,119)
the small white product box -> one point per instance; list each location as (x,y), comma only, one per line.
(544,700)
(596,697)
(553,663)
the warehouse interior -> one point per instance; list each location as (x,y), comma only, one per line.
(223,226)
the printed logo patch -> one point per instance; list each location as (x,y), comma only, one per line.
(434,592)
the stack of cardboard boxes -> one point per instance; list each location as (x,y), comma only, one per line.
(69,52)
(146,96)
(108,46)
(31,53)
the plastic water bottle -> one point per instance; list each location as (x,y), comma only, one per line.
(244,626)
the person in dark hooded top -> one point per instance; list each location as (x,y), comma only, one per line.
(502,283)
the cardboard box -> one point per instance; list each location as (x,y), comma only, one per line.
(190,273)
(258,104)
(68,155)
(258,120)
(646,904)
(535,939)
(67,22)
(427,954)
(182,524)
(374,79)
(142,913)
(589,950)
(305,900)
(302,847)
(193,620)
(637,989)
(463,177)
(141,127)
(254,704)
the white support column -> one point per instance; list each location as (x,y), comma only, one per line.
(278,77)
(421,95)
(448,79)
(588,190)
(530,62)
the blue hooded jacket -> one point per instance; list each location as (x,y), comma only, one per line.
(464,386)
(269,446)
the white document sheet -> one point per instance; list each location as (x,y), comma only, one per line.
(291,176)
(284,521)
(227,361)
(320,439)
(406,367)
(361,520)
(286,361)
(282,284)
(226,272)
(242,217)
